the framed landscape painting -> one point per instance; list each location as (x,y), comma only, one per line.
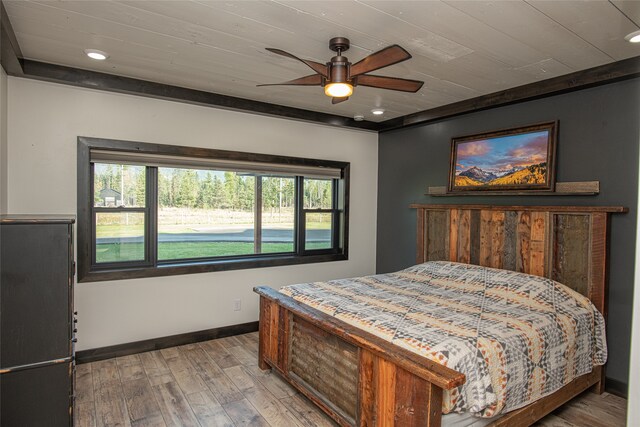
(511,160)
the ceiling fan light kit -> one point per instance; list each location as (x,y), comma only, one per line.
(338,77)
(338,90)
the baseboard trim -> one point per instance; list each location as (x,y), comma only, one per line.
(95,354)
(616,387)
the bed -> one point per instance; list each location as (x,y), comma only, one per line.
(359,378)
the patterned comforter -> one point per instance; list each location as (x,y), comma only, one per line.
(516,337)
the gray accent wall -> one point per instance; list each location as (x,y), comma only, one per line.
(3,141)
(598,140)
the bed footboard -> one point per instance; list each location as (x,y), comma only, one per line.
(357,378)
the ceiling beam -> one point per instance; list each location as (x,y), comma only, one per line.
(603,74)
(14,64)
(10,54)
(112,83)
(596,76)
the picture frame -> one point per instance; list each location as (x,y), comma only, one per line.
(514,160)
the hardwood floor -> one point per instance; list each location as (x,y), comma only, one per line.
(218,383)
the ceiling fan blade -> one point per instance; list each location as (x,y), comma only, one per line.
(383,58)
(312,80)
(315,66)
(339,100)
(391,83)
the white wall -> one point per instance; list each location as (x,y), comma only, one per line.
(45,121)
(3,141)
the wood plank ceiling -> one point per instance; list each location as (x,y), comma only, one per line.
(461,49)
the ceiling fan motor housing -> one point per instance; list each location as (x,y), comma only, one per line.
(339,69)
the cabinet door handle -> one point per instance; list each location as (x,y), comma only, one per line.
(74,340)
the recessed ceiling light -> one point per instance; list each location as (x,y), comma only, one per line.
(96,54)
(633,37)
(378,111)
(358,117)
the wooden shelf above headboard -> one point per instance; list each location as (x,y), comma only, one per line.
(564,243)
(610,209)
(581,188)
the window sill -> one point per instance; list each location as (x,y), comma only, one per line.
(205,267)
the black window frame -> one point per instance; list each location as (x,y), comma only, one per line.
(90,271)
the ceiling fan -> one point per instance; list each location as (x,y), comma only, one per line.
(339,76)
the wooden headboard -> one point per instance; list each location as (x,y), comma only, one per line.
(565,243)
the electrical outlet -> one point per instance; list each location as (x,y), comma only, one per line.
(237,305)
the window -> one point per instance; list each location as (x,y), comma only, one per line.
(150,210)
(205,214)
(319,211)
(119,202)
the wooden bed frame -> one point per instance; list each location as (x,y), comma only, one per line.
(359,379)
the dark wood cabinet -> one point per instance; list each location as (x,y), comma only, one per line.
(37,322)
